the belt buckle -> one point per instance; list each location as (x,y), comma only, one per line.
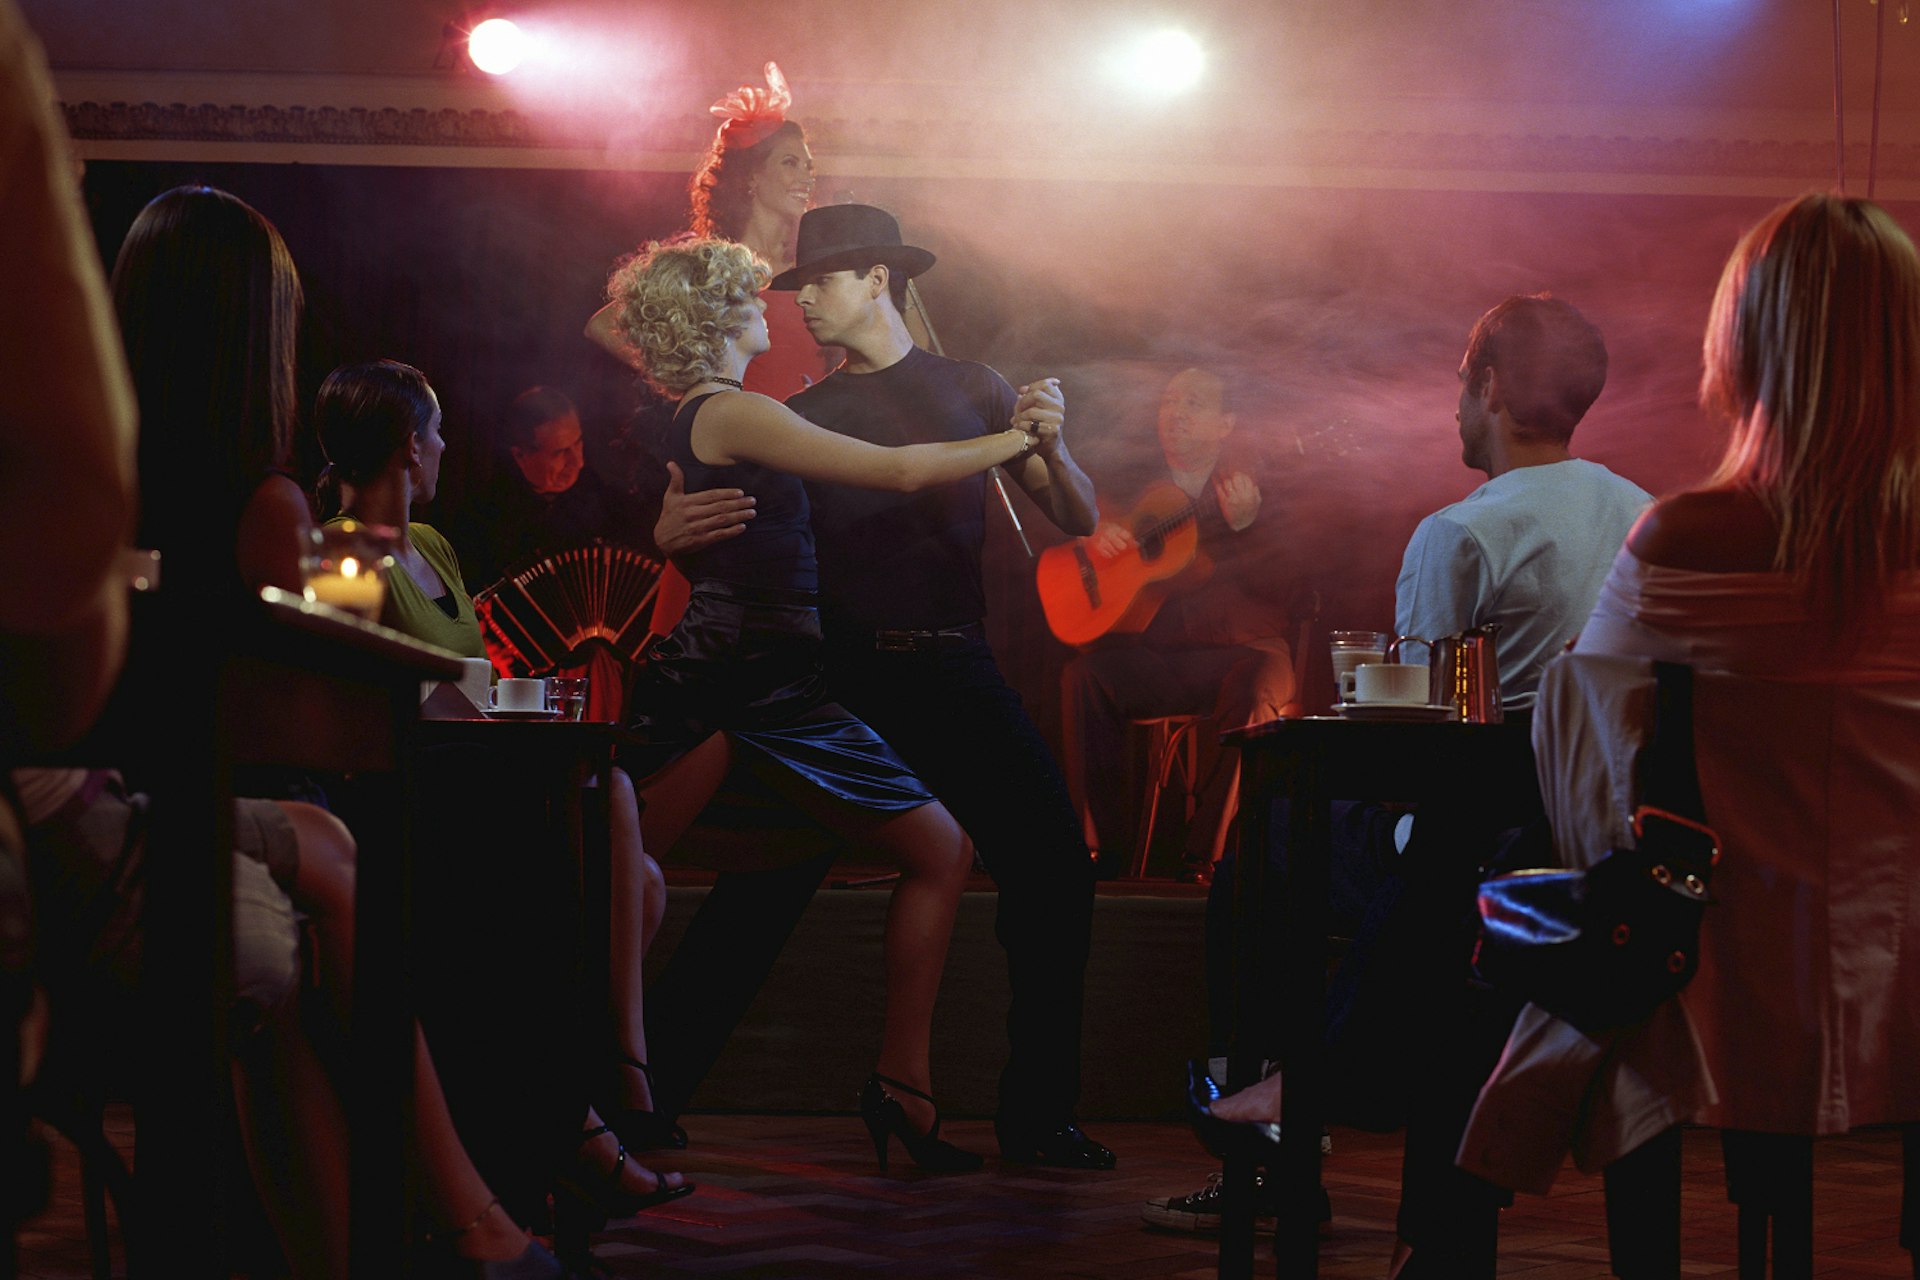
(896,642)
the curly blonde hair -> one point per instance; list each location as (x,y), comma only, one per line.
(680,303)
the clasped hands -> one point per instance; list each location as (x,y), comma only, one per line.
(1041,412)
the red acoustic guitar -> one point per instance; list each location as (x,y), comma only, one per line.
(1085,596)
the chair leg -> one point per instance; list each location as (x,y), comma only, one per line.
(1150,804)
(1643,1210)
(102,1174)
(93,1209)
(1752,1233)
(1910,1193)
(1189,746)
(1770,1177)
(1160,761)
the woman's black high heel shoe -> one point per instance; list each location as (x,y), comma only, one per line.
(1225,1138)
(886,1117)
(643,1130)
(604,1194)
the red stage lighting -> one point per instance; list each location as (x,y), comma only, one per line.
(496,46)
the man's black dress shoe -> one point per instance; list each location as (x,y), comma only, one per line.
(1061,1145)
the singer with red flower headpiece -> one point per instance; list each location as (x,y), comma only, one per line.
(752,185)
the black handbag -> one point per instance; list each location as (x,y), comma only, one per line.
(1602,947)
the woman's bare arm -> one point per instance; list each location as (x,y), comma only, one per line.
(273,534)
(604,331)
(756,428)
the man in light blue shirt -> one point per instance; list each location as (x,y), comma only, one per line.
(1528,549)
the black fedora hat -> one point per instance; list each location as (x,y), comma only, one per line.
(840,237)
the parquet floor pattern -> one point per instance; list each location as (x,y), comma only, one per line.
(800,1197)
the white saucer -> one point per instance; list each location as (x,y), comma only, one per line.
(1421,712)
(501,713)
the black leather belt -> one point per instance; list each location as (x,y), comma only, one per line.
(929,641)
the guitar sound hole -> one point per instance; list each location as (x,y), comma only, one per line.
(1151,545)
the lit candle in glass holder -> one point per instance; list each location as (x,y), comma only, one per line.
(347,565)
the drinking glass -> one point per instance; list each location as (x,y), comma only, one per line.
(568,696)
(346,566)
(1350,649)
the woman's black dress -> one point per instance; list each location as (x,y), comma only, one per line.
(744,660)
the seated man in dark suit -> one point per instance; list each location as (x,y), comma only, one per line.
(548,500)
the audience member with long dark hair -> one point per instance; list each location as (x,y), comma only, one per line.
(208,302)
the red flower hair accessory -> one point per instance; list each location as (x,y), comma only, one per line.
(749,114)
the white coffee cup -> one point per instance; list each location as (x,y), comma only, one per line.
(519,693)
(1393,682)
(476,678)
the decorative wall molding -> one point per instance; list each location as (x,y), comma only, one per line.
(1302,156)
(351,126)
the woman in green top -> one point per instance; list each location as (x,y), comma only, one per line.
(379,424)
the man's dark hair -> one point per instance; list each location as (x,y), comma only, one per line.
(897,281)
(1552,362)
(531,410)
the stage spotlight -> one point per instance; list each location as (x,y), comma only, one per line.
(1165,62)
(496,46)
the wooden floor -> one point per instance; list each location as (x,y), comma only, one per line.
(800,1196)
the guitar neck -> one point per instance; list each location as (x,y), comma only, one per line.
(1172,520)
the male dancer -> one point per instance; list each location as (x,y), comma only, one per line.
(901,608)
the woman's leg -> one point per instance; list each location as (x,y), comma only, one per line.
(676,795)
(458,1199)
(323,890)
(932,853)
(639,901)
(294,1131)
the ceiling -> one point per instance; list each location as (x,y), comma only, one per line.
(972,78)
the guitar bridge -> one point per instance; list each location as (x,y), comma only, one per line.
(1089,580)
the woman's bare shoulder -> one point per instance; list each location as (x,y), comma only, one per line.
(272,534)
(1708,530)
(735,426)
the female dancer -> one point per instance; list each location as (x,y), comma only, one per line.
(738,682)
(380,426)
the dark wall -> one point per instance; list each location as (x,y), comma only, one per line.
(1342,313)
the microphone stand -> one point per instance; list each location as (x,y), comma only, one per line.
(916,306)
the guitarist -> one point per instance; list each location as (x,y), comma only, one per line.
(1206,634)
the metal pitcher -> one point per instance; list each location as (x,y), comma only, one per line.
(1464,671)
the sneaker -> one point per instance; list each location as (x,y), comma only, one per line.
(1199,1213)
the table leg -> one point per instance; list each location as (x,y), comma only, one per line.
(1297,974)
(380,1093)
(1250,992)
(1289,969)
